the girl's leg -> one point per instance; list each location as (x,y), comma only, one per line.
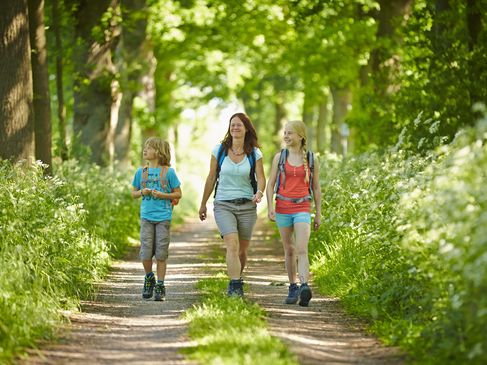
(289,252)
(302,233)
(147,265)
(242,254)
(233,260)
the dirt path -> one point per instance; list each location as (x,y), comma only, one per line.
(119,327)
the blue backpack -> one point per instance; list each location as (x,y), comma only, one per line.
(222,153)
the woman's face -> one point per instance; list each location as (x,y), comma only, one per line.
(291,138)
(237,128)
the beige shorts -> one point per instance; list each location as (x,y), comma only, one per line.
(154,239)
(234,218)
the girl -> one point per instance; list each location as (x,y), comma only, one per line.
(297,178)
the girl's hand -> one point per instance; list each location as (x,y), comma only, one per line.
(272,215)
(317,223)
(146,191)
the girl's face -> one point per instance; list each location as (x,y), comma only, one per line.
(149,153)
(237,128)
(291,138)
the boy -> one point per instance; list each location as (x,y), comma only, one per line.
(158,186)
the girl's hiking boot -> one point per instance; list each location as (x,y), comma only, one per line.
(235,288)
(160,292)
(304,295)
(149,283)
(293,295)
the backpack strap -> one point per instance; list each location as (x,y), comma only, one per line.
(252,160)
(281,173)
(145,176)
(220,156)
(311,164)
(162,177)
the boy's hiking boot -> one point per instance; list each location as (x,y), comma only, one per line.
(304,295)
(160,292)
(149,283)
(235,288)
(293,295)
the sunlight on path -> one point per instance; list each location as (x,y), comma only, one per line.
(318,334)
(119,327)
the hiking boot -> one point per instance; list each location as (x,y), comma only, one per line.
(235,288)
(149,283)
(293,295)
(304,295)
(160,292)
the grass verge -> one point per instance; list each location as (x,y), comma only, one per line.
(229,330)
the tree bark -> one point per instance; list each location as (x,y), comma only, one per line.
(16,110)
(40,80)
(308,119)
(61,107)
(280,114)
(341,103)
(96,42)
(474,22)
(321,135)
(134,56)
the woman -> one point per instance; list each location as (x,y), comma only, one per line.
(297,178)
(236,168)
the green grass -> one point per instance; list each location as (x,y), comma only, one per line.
(230,330)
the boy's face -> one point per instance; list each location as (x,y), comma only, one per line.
(149,153)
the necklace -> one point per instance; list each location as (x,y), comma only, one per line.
(235,153)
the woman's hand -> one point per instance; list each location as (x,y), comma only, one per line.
(202,213)
(258,196)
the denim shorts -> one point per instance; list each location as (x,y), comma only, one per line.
(235,218)
(154,239)
(288,220)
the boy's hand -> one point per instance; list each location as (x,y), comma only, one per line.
(146,191)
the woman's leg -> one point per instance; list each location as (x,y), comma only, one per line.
(233,260)
(302,232)
(289,252)
(242,254)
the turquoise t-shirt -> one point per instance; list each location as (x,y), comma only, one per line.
(155,209)
(234,177)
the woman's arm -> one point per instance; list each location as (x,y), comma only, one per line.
(259,171)
(209,185)
(270,188)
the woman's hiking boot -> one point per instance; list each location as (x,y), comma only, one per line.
(149,283)
(293,294)
(160,292)
(304,295)
(235,288)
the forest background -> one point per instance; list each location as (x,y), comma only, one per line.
(392,92)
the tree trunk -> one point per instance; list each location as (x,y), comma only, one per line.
(95,75)
(321,135)
(134,56)
(61,110)
(341,103)
(40,80)
(16,110)
(474,22)
(280,114)
(308,119)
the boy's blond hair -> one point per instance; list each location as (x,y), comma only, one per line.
(300,129)
(162,148)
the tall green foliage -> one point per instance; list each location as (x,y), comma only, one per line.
(403,244)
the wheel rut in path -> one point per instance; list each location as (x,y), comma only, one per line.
(318,334)
(119,327)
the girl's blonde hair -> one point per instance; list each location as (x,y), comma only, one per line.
(300,129)
(162,148)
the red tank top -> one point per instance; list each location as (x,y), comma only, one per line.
(295,187)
